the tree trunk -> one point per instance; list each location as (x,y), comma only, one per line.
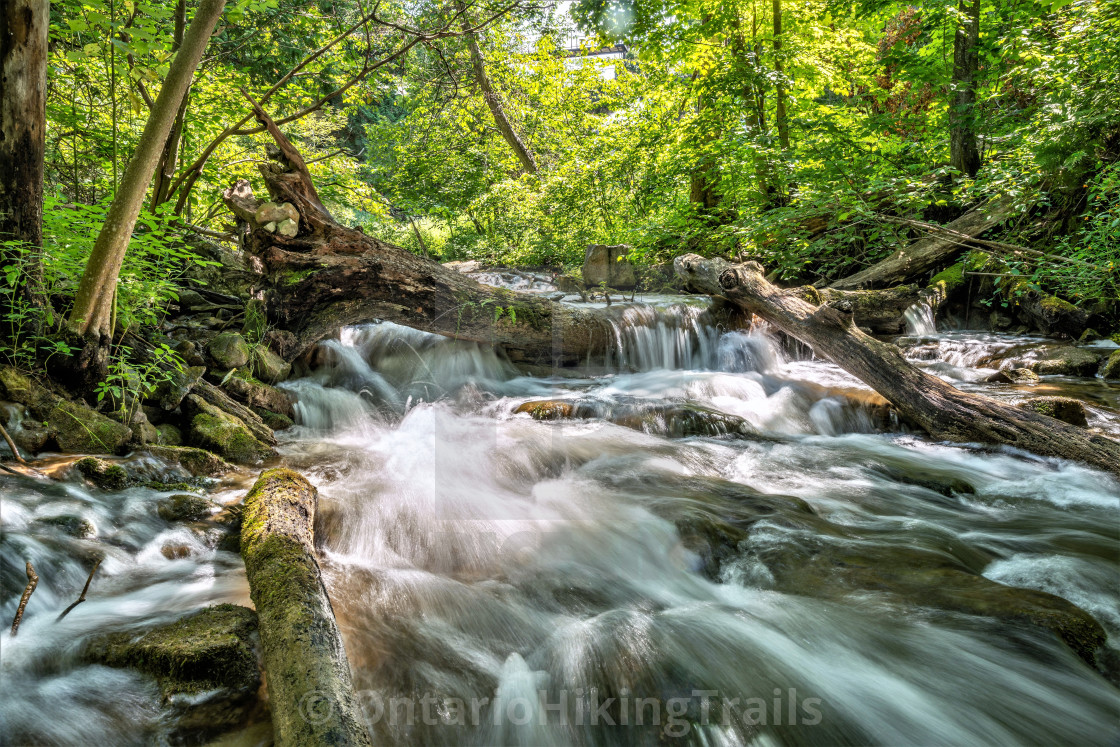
(165,170)
(93,306)
(942,410)
(23,96)
(329,276)
(310,690)
(928,252)
(964,154)
(493,100)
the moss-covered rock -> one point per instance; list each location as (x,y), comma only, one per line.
(1066,409)
(246,389)
(198,462)
(229,350)
(1068,361)
(185,507)
(16,387)
(268,366)
(103,474)
(205,664)
(1110,368)
(1014,376)
(224,434)
(170,392)
(274,420)
(169,435)
(73,525)
(78,428)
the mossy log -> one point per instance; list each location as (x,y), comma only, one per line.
(328,276)
(933,250)
(308,675)
(944,411)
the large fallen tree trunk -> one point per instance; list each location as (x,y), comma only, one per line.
(309,687)
(928,252)
(944,411)
(327,276)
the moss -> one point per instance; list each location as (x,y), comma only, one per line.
(76,526)
(224,434)
(162,486)
(952,276)
(1066,409)
(208,650)
(294,277)
(185,507)
(198,462)
(103,474)
(273,420)
(77,428)
(1056,305)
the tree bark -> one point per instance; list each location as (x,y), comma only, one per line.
(23,94)
(165,169)
(493,100)
(308,674)
(930,251)
(93,305)
(329,276)
(942,410)
(964,154)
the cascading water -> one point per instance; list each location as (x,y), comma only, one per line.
(919,320)
(500,580)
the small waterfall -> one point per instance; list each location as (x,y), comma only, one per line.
(651,337)
(919,320)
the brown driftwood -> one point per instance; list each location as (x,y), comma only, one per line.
(85,590)
(944,411)
(329,276)
(32,582)
(11,445)
(928,252)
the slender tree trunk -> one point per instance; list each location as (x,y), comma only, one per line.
(165,171)
(704,180)
(493,100)
(23,95)
(964,154)
(93,305)
(780,88)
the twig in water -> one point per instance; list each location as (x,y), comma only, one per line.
(82,598)
(32,582)
(11,445)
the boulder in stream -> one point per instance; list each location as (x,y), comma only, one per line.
(205,665)
(103,474)
(198,462)
(1068,361)
(1110,368)
(1066,409)
(185,507)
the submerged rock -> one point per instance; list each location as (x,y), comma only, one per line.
(205,665)
(185,507)
(1067,361)
(1066,409)
(103,474)
(198,462)
(675,420)
(1014,376)
(222,433)
(73,525)
(1110,368)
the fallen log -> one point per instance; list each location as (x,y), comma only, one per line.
(881,311)
(327,276)
(309,686)
(944,411)
(930,251)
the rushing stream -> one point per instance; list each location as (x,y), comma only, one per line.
(502,580)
